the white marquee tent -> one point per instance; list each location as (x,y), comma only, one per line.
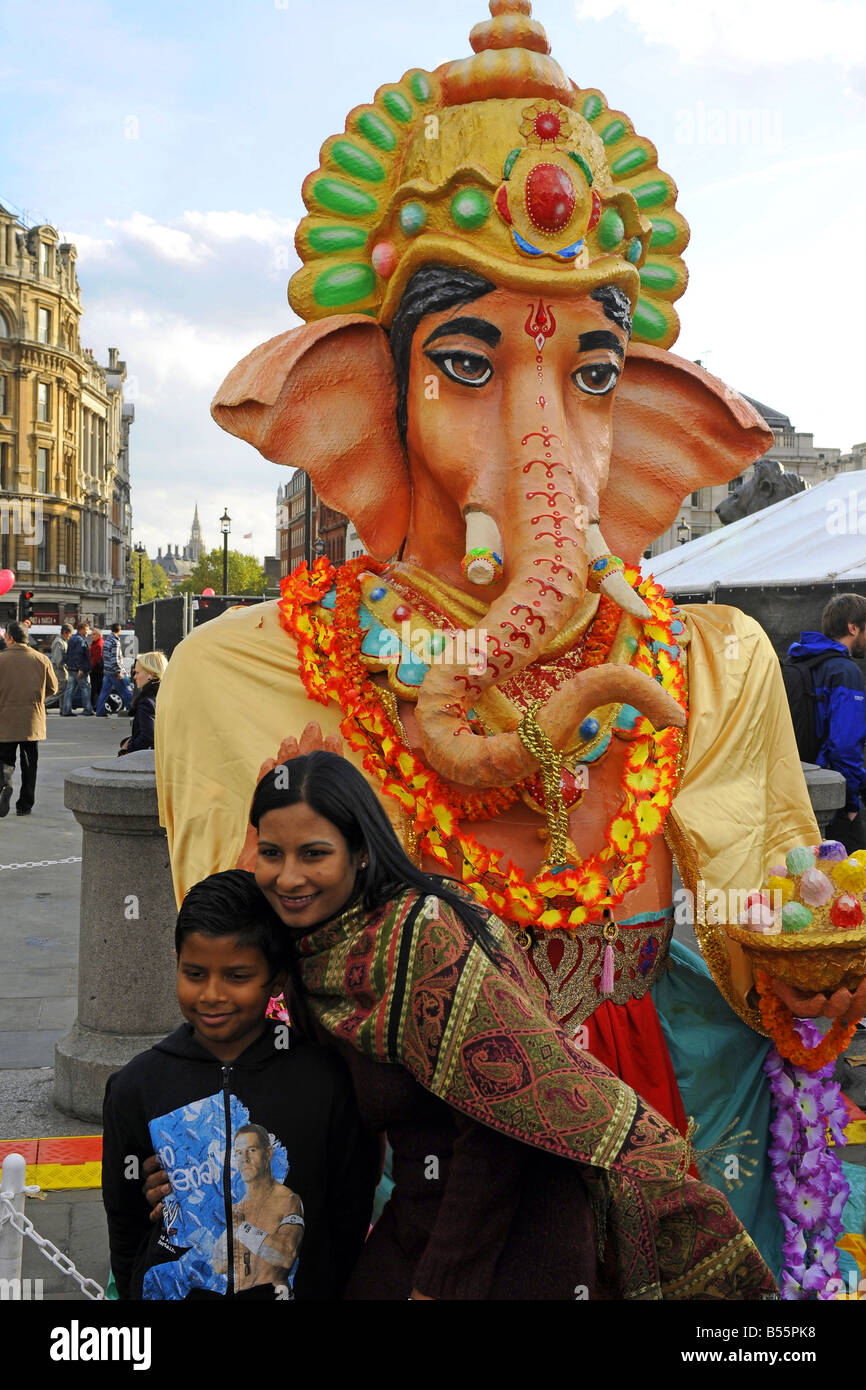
(817,536)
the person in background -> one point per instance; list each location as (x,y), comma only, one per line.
(78,668)
(113,678)
(58,660)
(147,673)
(96,650)
(26,676)
(840,705)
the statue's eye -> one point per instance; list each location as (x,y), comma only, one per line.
(597,379)
(467,368)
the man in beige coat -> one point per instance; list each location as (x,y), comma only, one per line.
(26,677)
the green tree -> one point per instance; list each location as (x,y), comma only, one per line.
(246,575)
(154,580)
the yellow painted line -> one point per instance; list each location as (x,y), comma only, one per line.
(58,1177)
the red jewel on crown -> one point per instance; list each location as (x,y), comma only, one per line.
(548,125)
(550,197)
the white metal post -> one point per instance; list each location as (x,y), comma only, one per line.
(13,1185)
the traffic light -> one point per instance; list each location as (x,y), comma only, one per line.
(25,605)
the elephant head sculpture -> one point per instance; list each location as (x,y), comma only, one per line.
(483,383)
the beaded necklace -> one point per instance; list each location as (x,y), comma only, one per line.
(565,896)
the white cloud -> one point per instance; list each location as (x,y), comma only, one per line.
(90,248)
(236,226)
(168,355)
(168,242)
(769,33)
(783,168)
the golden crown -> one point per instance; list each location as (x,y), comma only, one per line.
(500,164)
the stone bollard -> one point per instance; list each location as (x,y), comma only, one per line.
(126,978)
(826,792)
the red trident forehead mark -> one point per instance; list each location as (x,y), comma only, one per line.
(540,325)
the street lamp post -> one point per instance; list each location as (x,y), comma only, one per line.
(684,531)
(139,550)
(225,527)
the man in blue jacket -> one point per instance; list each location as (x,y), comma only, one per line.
(840,705)
(78,666)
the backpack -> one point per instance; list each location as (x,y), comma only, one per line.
(800,690)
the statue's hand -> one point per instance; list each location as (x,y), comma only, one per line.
(842,1004)
(311,740)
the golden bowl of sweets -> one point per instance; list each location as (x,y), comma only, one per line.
(807,925)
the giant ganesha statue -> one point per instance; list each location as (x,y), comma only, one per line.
(483,382)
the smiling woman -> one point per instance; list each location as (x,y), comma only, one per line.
(502,1131)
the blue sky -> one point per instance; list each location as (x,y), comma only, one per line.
(170,141)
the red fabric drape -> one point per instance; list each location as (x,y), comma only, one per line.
(628,1039)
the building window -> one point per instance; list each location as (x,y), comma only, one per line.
(4,469)
(43,332)
(44,258)
(734,484)
(42,552)
(42,470)
(3,389)
(4,327)
(43,401)
(696,499)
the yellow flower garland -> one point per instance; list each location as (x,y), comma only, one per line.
(331,669)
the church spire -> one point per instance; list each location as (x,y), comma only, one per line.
(196,541)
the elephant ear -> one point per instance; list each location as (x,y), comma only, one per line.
(322,397)
(675,429)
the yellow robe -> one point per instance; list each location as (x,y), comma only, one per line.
(232,691)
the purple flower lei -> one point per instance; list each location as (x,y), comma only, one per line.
(811,1190)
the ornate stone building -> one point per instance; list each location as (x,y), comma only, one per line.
(65,516)
(298,512)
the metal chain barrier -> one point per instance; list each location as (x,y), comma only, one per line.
(25,1227)
(43,863)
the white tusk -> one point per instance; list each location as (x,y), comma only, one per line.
(616,586)
(482,533)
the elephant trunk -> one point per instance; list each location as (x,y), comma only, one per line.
(546,550)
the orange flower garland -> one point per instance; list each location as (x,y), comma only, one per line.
(779,1023)
(331,669)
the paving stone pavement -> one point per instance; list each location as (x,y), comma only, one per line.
(39,917)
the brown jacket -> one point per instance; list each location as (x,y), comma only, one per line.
(26,677)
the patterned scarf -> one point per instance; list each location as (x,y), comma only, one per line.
(408,985)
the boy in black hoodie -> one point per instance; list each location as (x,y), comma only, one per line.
(272,1176)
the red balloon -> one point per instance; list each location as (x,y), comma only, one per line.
(207,593)
(7,579)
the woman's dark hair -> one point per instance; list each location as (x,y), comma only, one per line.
(431,290)
(335,790)
(232,904)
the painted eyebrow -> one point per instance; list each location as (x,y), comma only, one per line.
(600,338)
(473,328)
